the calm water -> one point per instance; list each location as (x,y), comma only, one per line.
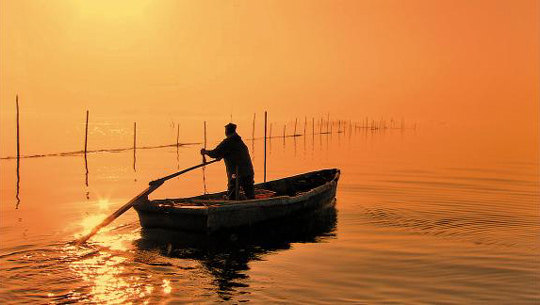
(427,216)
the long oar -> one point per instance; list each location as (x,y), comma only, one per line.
(152,187)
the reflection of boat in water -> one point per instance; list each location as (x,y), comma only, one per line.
(274,200)
(225,254)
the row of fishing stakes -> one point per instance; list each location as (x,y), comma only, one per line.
(325,127)
(341,128)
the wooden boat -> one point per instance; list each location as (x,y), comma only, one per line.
(274,199)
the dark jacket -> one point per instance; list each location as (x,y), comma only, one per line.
(235,153)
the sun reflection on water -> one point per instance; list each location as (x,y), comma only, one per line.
(106,266)
(109,283)
(167,286)
(104,204)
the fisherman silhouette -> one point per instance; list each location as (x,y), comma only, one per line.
(237,161)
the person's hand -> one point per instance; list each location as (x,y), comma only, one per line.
(203,151)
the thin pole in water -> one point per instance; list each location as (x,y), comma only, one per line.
(177,135)
(204,159)
(18,130)
(265,127)
(177,145)
(135,146)
(86,134)
(134,135)
(18,154)
(328,122)
(86,149)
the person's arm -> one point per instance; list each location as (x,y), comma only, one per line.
(220,151)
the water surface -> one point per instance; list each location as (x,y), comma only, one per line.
(432,215)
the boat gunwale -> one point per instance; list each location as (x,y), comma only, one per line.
(214,205)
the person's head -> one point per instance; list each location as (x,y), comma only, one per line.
(230,129)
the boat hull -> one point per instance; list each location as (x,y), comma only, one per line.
(231,214)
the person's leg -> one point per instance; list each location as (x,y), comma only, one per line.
(231,189)
(248,186)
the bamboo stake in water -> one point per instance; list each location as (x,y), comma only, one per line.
(204,159)
(328,122)
(86,134)
(134,135)
(18,154)
(177,145)
(177,135)
(86,149)
(265,127)
(135,146)
(18,131)
(295,123)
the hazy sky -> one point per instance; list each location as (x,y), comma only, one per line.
(452,60)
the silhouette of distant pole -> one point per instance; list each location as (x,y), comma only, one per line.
(18,128)
(134,135)
(86,149)
(177,135)
(204,160)
(18,156)
(328,122)
(135,146)
(86,134)
(265,128)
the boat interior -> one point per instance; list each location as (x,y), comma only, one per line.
(291,186)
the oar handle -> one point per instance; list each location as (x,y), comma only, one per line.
(161,180)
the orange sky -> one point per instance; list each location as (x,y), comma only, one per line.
(455,61)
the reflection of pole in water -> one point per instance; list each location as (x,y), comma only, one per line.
(18,155)
(294,140)
(86,170)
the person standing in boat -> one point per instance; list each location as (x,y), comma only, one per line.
(237,161)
